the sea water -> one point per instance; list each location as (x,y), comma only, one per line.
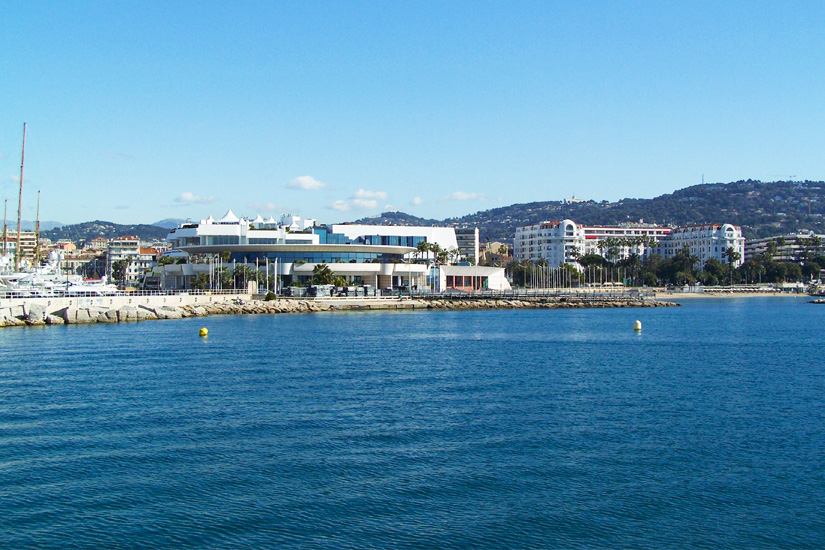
(443,429)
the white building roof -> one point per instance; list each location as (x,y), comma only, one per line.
(229,217)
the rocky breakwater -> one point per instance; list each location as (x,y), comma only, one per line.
(35,314)
(555,302)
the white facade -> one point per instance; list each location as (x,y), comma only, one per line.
(471,278)
(705,242)
(556,242)
(231,230)
(125,248)
(294,223)
(562,242)
(400,235)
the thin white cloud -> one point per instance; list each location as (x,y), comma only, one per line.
(362,200)
(364,194)
(262,206)
(417,201)
(307,183)
(364,204)
(187,197)
(463,196)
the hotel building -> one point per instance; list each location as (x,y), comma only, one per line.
(565,241)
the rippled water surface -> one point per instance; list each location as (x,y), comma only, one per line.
(470,429)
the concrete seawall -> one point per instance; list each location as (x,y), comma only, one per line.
(118,309)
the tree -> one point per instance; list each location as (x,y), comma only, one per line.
(422,249)
(770,249)
(733,256)
(322,275)
(201,282)
(120,268)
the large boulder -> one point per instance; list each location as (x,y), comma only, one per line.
(108,316)
(83,316)
(35,314)
(127,313)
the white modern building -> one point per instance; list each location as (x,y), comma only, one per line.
(398,235)
(380,256)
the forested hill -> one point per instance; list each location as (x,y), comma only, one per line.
(107,230)
(762,209)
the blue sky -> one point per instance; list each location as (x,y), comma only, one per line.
(139,111)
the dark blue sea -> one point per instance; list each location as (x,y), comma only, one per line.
(445,429)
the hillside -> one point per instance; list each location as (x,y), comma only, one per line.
(397,218)
(762,209)
(107,230)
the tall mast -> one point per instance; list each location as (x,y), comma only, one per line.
(17,249)
(37,233)
(5,233)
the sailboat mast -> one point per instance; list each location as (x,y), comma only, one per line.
(37,233)
(18,249)
(5,232)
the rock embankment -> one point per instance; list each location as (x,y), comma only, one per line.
(35,314)
(547,303)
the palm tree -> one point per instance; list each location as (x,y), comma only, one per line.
(771,249)
(733,257)
(423,248)
(322,275)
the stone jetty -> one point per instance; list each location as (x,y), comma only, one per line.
(33,312)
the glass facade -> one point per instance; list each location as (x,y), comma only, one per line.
(392,240)
(318,257)
(222,239)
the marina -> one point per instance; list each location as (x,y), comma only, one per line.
(516,428)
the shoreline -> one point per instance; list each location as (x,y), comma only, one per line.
(33,314)
(664,295)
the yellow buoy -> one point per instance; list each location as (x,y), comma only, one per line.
(637,326)
(203,332)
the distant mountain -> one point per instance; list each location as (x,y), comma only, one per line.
(762,209)
(169,223)
(26,225)
(107,230)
